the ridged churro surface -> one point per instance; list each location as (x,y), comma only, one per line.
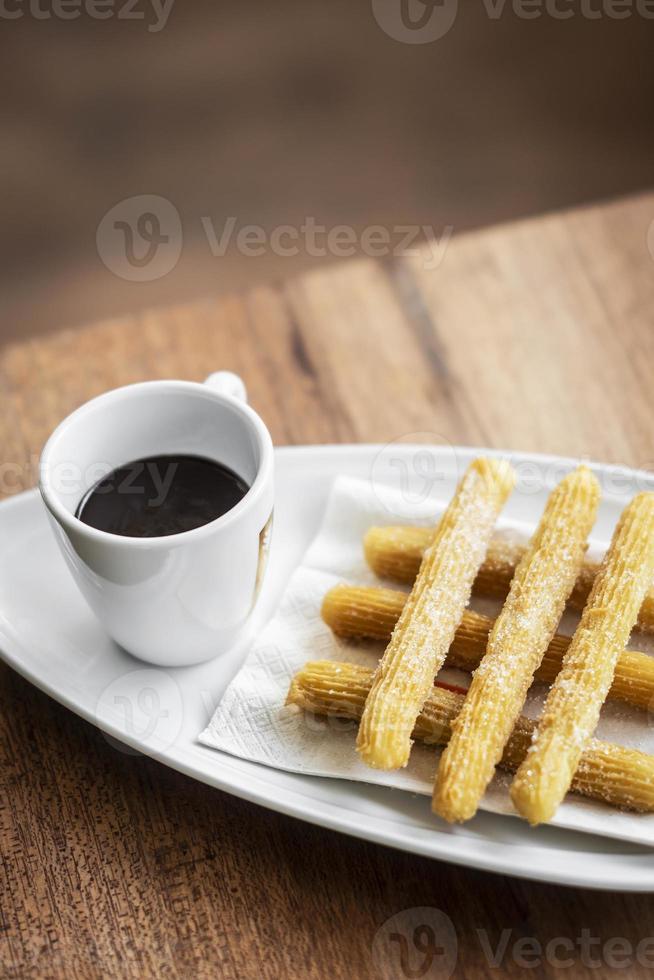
(573,705)
(429,618)
(616,775)
(371,613)
(522,632)
(396,552)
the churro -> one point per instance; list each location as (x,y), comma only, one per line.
(607,772)
(520,636)
(396,552)
(428,621)
(573,704)
(357,613)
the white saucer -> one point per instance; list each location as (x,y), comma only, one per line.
(50,637)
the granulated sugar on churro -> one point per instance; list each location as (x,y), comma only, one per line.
(522,632)
(358,612)
(573,705)
(620,776)
(429,619)
(396,552)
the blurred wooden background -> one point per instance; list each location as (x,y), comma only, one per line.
(270,112)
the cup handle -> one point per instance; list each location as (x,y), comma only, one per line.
(227,383)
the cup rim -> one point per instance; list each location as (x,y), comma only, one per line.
(73,523)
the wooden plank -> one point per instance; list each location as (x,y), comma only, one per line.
(531,336)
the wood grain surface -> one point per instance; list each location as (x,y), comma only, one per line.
(536,336)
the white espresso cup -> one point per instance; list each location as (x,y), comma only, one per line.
(176,599)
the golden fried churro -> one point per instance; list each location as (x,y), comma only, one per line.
(607,772)
(396,552)
(522,632)
(371,613)
(573,704)
(428,621)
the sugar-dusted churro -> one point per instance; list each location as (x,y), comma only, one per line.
(428,621)
(616,775)
(371,613)
(520,636)
(573,704)
(396,552)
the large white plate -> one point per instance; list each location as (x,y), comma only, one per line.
(48,635)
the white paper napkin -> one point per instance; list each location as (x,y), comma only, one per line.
(253,723)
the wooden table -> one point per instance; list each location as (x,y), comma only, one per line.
(536,336)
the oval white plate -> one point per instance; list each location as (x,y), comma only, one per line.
(48,635)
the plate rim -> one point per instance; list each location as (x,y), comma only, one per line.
(302,806)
